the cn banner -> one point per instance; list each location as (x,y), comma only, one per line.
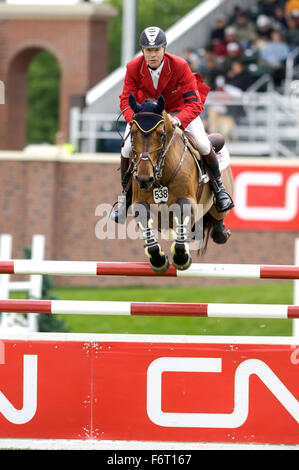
(45,389)
(266,197)
(205,391)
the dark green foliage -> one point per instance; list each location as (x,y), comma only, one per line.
(43,99)
(50,322)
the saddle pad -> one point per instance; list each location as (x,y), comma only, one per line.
(223,158)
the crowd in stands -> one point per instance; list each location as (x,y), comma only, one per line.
(249,44)
(242,48)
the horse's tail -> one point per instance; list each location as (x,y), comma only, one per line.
(208,224)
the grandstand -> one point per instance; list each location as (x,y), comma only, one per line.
(249,56)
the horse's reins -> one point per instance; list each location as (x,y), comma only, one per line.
(145,156)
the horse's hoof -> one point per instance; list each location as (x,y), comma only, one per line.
(181,259)
(182,266)
(220,234)
(161,269)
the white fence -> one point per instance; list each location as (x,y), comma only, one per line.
(11,321)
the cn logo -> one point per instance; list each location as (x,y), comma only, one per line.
(213,420)
(28,410)
(266,178)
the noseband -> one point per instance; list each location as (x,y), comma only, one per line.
(145,156)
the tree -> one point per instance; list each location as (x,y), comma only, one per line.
(43,99)
(148,13)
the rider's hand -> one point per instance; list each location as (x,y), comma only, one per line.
(175,121)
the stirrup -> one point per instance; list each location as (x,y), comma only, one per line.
(119,215)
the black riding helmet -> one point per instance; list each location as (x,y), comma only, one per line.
(152,37)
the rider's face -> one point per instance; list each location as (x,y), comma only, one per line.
(153,57)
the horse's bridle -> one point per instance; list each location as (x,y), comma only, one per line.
(145,156)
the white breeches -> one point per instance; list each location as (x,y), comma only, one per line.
(196,127)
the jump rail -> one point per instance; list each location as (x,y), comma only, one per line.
(93,268)
(150,308)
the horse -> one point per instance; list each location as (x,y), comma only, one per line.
(165,171)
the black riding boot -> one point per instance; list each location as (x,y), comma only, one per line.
(119,215)
(223,200)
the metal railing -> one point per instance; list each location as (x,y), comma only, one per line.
(254,123)
(290,69)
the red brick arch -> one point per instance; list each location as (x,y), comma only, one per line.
(76,36)
(16,95)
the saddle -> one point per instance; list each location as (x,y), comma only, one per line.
(217,141)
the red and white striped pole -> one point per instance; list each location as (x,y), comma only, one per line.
(150,308)
(93,268)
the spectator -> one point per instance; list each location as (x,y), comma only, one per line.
(263,32)
(210,71)
(219,45)
(234,52)
(292,33)
(245,30)
(236,12)
(192,58)
(238,76)
(274,54)
(279,18)
(276,50)
(292,6)
(220,115)
(263,27)
(218,32)
(267,7)
(230,34)
(219,48)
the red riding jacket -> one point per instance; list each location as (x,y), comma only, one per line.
(182,90)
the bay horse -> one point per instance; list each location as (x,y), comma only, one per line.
(166,171)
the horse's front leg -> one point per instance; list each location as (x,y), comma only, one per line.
(158,259)
(180,247)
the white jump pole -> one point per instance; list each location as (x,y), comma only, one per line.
(79,307)
(115,268)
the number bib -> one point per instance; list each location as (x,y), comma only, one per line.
(160,194)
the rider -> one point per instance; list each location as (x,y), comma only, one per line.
(157,72)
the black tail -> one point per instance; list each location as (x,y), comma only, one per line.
(208,223)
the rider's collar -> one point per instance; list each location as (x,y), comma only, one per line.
(158,69)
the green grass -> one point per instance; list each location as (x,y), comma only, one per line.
(265,293)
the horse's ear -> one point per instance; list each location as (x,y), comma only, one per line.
(160,104)
(133,103)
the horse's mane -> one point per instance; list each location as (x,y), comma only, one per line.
(168,124)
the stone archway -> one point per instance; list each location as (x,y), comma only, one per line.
(75,35)
(16,97)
